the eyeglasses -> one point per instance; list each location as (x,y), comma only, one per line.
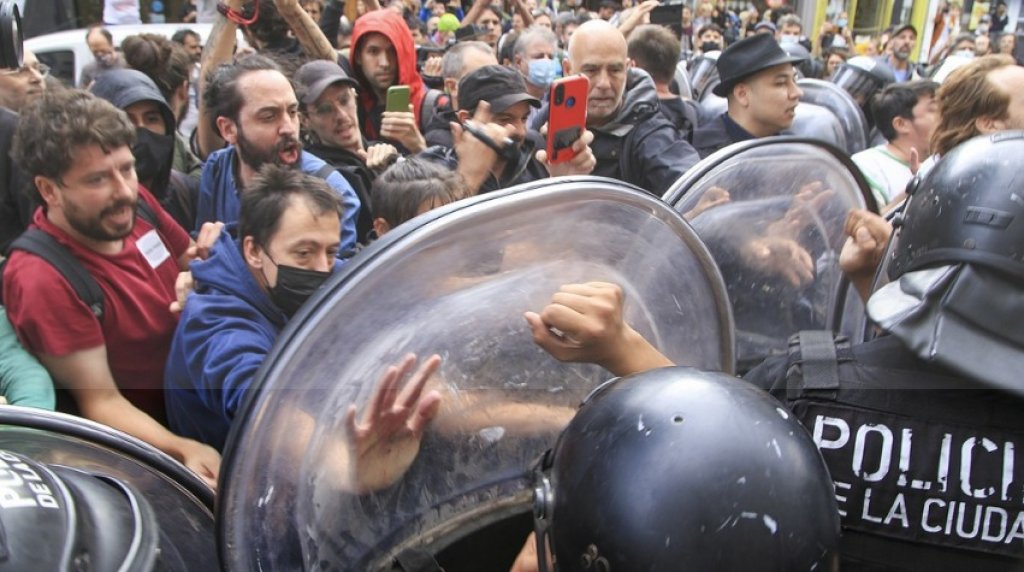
(40,68)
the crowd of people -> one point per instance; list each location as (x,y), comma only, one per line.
(163,220)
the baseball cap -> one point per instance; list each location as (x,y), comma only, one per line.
(314,77)
(500,86)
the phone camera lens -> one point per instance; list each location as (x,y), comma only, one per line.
(559,95)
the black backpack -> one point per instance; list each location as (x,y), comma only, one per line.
(38,242)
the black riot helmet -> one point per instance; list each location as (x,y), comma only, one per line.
(58,518)
(968,208)
(679,469)
(862,77)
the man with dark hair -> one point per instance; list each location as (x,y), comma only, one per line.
(382,56)
(169,67)
(155,141)
(633,142)
(494,148)
(709,39)
(898,59)
(655,49)
(906,115)
(109,356)
(191,41)
(253,107)
(247,290)
(410,188)
(759,81)
(101,44)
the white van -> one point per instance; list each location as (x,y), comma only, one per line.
(67,53)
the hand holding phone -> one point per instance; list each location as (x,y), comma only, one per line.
(567,117)
(398,98)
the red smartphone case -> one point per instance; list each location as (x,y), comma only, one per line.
(567,118)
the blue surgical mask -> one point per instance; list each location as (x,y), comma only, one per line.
(542,72)
(841,23)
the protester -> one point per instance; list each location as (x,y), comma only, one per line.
(101,44)
(655,49)
(77,148)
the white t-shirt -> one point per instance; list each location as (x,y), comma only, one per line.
(886,174)
(121,12)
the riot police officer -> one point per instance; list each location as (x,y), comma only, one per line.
(681,469)
(920,428)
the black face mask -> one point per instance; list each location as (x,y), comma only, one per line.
(709,47)
(154,155)
(294,286)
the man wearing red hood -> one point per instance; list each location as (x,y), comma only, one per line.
(384,55)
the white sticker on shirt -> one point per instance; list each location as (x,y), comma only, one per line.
(153,248)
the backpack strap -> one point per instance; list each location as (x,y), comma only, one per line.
(147,213)
(43,245)
(428,110)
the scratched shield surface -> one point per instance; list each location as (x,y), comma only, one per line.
(455,282)
(772,212)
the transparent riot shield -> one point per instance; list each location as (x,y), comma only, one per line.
(771,212)
(454,283)
(682,77)
(817,122)
(854,125)
(703,72)
(182,502)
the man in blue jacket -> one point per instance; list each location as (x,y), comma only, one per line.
(245,293)
(253,107)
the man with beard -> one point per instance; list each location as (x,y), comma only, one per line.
(902,43)
(134,93)
(383,55)
(253,107)
(633,142)
(759,81)
(493,147)
(110,355)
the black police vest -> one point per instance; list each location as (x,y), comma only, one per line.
(928,467)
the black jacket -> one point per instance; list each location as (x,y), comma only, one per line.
(899,436)
(358,175)
(524,170)
(713,136)
(639,145)
(18,197)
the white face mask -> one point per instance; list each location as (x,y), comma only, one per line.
(789,39)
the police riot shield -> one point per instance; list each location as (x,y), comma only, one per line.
(703,74)
(772,212)
(817,122)
(306,484)
(829,95)
(180,501)
(682,77)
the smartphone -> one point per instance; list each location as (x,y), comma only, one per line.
(567,118)
(669,16)
(398,98)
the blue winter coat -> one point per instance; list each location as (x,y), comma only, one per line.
(219,199)
(226,330)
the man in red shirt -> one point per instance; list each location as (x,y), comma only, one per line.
(77,149)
